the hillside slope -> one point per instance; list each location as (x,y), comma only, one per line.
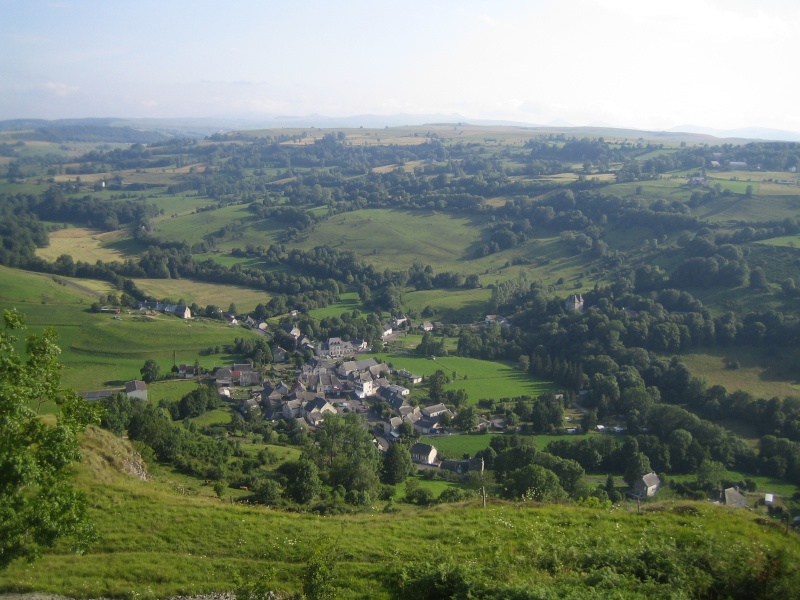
(159,538)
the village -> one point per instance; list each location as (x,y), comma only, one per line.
(336,381)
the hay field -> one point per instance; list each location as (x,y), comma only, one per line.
(84,244)
(762,375)
(203,293)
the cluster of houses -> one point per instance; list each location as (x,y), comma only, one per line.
(326,386)
(179,310)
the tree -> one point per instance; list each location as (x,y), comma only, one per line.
(345,453)
(611,490)
(318,576)
(38,505)
(436,383)
(758,279)
(534,482)
(638,464)
(710,473)
(150,371)
(466,419)
(304,482)
(397,464)
(589,420)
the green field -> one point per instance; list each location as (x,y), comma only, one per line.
(484,379)
(86,245)
(451,306)
(791,241)
(170,390)
(192,227)
(456,446)
(387,238)
(98,351)
(348,302)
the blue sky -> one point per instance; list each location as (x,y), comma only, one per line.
(628,63)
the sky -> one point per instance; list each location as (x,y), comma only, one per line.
(645,64)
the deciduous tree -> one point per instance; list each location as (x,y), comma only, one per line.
(38,505)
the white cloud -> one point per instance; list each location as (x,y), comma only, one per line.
(60,89)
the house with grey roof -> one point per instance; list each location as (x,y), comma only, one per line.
(733,497)
(424,453)
(292,408)
(435,410)
(647,485)
(464,466)
(335,347)
(136,389)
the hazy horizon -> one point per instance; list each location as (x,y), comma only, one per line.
(613,63)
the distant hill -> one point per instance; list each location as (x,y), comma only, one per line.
(749,133)
(79,130)
(145,131)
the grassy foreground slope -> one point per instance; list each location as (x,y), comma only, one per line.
(160,540)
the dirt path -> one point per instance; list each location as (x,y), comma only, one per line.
(83,288)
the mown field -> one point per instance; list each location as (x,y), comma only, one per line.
(162,538)
(204,293)
(84,244)
(763,374)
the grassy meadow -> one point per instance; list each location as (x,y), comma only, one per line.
(456,446)
(168,537)
(348,302)
(479,378)
(98,351)
(387,238)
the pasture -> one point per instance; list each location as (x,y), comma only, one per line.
(170,390)
(479,378)
(452,305)
(192,227)
(392,239)
(790,241)
(456,446)
(98,351)
(179,205)
(348,302)
(24,288)
(436,486)
(388,238)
